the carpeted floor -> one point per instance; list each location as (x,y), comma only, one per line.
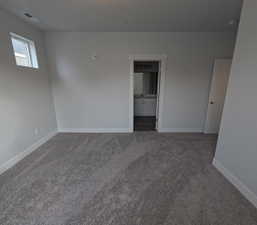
(122,179)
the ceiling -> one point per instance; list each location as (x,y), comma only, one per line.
(128,15)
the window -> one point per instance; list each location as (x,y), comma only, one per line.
(24,51)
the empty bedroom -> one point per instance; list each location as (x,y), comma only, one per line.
(128,112)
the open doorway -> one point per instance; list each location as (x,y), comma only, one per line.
(146,83)
(155,65)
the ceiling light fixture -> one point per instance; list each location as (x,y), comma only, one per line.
(31,18)
(28,15)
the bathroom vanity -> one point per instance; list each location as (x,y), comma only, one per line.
(145,105)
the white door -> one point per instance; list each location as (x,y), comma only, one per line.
(221,72)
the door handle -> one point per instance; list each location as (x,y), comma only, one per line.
(211,102)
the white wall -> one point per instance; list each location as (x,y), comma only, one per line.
(94,94)
(25,94)
(237,145)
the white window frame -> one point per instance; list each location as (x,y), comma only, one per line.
(31,50)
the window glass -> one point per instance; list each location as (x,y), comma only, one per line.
(21,52)
(24,51)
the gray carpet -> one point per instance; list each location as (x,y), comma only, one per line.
(122,179)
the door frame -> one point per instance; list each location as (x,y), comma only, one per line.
(162,59)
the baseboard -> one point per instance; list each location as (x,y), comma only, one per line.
(180,130)
(127,130)
(251,196)
(10,163)
(94,130)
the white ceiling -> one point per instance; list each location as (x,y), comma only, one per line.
(128,15)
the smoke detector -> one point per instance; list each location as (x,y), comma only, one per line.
(233,23)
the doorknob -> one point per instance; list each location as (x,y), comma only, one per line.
(211,102)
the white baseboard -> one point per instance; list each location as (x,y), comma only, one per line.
(180,130)
(251,196)
(10,163)
(94,130)
(127,130)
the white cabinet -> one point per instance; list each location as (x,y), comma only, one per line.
(145,106)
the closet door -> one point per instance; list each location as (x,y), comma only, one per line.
(218,90)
